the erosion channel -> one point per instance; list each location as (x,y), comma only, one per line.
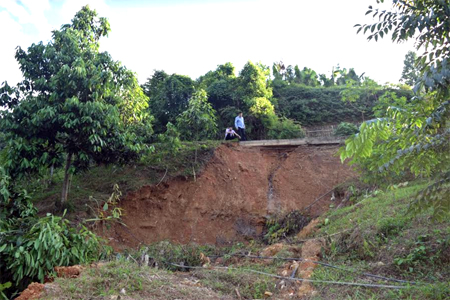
(232,197)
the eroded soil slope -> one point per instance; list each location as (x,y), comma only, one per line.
(231,198)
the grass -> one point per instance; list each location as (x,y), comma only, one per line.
(96,184)
(122,276)
(378,236)
(226,282)
(142,282)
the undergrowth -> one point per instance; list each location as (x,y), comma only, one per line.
(378,235)
(158,164)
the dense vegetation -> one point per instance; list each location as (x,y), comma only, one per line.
(414,136)
(77,108)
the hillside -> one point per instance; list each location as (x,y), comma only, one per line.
(368,249)
(231,199)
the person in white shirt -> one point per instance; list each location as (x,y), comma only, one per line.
(230,134)
(240,126)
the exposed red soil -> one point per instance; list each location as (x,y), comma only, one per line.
(33,291)
(232,197)
(69,272)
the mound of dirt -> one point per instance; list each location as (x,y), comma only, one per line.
(231,199)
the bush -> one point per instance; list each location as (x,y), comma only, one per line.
(346,129)
(165,254)
(281,227)
(285,128)
(30,247)
(319,105)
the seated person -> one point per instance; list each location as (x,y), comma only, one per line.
(230,134)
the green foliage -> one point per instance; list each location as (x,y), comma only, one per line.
(164,254)
(47,242)
(180,162)
(281,227)
(387,100)
(345,129)
(377,236)
(252,83)
(319,105)
(255,100)
(198,121)
(414,137)
(77,104)
(108,279)
(4,286)
(406,140)
(30,247)
(170,140)
(109,211)
(416,255)
(388,227)
(285,128)
(410,73)
(169,96)
(354,92)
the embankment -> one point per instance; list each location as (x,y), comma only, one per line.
(231,199)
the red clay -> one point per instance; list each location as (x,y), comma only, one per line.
(232,196)
(33,291)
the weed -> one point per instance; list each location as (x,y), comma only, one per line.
(391,226)
(164,254)
(278,228)
(250,286)
(109,211)
(378,228)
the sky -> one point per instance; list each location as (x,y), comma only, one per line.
(192,37)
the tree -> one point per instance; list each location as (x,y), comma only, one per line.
(306,76)
(361,94)
(75,106)
(219,85)
(198,121)
(410,74)
(414,137)
(169,96)
(255,99)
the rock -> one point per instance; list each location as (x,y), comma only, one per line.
(281,284)
(309,229)
(267,294)
(272,250)
(312,248)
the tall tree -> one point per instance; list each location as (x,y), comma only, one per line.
(415,137)
(169,96)
(75,104)
(198,121)
(255,98)
(410,73)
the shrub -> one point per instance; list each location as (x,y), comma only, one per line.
(30,247)
(284,128)
(346,129)
(278,228)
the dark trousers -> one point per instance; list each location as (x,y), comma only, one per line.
(230,137)
(241,132)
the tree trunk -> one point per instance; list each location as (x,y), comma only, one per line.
(65,188)
(195,161)
(52,169)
